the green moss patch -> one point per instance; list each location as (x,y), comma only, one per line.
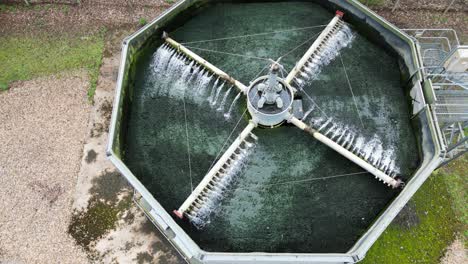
(27,57)
(455,176)
(103,211)
(92,224)
(440,206)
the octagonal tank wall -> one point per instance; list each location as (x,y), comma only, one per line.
(395,42)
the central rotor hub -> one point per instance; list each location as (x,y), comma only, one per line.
(269,98)
(270,90)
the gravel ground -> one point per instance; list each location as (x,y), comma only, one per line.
(42,126)
(91,16)
(404,18)
(456,253)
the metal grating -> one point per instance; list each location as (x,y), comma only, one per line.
(451,105)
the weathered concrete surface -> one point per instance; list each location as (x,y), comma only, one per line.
(134,239)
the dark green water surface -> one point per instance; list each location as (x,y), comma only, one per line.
(274,206)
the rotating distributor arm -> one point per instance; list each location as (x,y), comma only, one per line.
(390,181)
(193,56)
(305,66)
(314,51)
(219,176)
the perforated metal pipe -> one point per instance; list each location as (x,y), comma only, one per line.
(394,183)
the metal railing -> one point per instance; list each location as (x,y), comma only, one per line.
(436,45)
(450,89)
(444,36)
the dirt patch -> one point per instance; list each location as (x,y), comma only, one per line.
(428,19)
(91,156)
(456,253)
(108,185)
(42,126)
(425,14)
(114,44)
(96,140)
(90,16)
(408,217)
(144,257)
(146,227)
(106,112)
(48,193)
(97,130)
(162,245)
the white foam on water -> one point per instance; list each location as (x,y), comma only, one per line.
(358,145)
(223,101)
(201,217)
(178,76)
(218,91)
(158,65)
(195,73)
(349,140)
(316,122)
(332,48)
(160,59)
(174,69)
(377,155)
(342,134)
(178,89)
(308,112)
(330,129)
(201,84)
(371,150)
(213,90)
(325,124)
(336,132)
(227,115)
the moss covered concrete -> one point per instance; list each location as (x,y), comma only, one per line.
(440,207)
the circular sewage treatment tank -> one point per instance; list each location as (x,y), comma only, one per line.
(292,194)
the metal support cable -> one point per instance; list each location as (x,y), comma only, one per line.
(253,35)
(300,45)
(229,53)
(301,181)
(188,143)
(351,89)
(226,141)
(313,101)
